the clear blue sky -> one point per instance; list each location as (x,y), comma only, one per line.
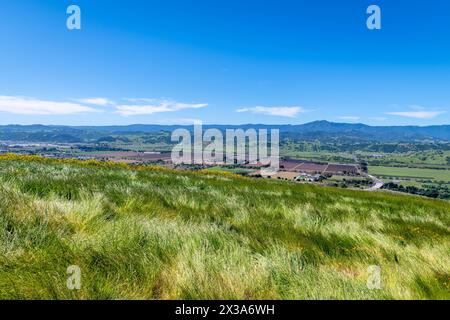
(224,61)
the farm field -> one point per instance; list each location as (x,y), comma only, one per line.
(140,232)
(414,173)
(319,156)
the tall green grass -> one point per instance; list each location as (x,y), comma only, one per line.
(139,234)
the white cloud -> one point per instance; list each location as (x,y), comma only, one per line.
(32,106)
(143,100)
(417,114)
(349,118)
(289,112)
(158,107)
(97,101)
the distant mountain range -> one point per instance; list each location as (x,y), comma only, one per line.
(317,130)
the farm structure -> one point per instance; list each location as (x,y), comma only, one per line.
(294,165)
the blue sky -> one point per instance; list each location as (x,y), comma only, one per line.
(166,61)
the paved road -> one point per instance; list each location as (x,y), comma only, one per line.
(378,183)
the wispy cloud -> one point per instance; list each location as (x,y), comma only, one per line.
(155,107)
(143,100)
(33,106)
(289,112)
(97,101)
(349,118)
(418,112)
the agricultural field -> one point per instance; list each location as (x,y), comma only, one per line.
(410,173)
(145,232)
(319,156)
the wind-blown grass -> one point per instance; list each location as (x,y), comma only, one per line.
(147,233)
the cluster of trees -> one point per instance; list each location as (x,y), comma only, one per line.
(440,191)
(100,147)
(364,166)
(351,183)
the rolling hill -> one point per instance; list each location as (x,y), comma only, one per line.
(154,233)
(318,130)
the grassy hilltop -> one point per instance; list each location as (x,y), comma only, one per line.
(148,233)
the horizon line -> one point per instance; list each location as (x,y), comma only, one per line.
(216,124)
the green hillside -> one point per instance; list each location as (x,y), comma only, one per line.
(149,233)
